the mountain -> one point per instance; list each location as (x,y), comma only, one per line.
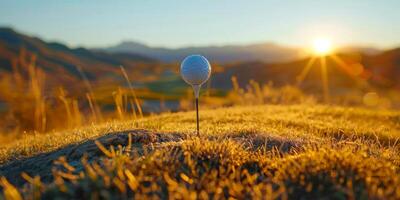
(266,52)
(385,67)
(60,62)
(360,49)
(346,71)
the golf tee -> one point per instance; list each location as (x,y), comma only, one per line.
(197,116)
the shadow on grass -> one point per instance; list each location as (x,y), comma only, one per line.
(41,164)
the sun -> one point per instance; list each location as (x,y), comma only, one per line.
(322,46)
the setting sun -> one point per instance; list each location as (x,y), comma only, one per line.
(322,46)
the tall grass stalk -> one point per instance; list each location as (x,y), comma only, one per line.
(36,88)
(132,91)
(91,97)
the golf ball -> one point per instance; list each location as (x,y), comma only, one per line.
(195,69)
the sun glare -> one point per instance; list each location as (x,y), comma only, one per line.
(322,46)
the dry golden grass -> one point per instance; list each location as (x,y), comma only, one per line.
(297,151)
(33,106)
(310,123)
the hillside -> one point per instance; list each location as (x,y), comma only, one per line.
(346,71)
(60,62)
(386,67)
(298,151)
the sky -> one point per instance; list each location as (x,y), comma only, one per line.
(169,23)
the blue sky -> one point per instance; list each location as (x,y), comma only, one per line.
(171,23)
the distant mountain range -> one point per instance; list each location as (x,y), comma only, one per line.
(265,52)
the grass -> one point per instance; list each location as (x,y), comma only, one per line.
(267,151)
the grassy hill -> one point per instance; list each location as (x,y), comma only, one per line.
(298,151)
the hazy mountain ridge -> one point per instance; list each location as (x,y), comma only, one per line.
(267,52)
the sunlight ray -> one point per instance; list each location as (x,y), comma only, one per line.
(341,64)
(325,82)
(350,71)
(305,71)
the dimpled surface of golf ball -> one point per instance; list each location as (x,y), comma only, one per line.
(195,69)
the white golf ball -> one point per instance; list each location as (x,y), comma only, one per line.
(195,69)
